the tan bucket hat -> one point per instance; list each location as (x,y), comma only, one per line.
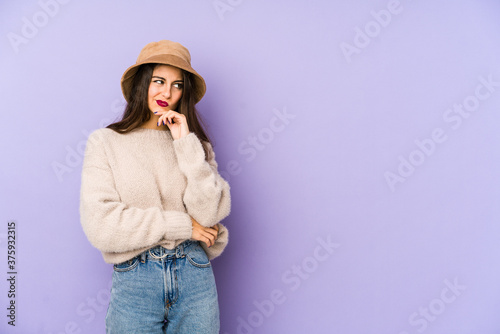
(168,53)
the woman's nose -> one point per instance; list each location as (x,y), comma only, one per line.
(166,92)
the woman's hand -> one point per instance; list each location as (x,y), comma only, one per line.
(175,121)
(208,235)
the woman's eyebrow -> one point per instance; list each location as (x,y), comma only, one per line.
(155,76)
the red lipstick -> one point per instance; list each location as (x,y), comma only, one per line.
(162,104)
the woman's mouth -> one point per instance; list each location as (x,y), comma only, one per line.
(162,104)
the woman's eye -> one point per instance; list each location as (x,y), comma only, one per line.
(160,82)
(178,85)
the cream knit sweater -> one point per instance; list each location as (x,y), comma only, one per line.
(139,190)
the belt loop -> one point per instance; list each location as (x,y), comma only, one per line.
(179,251)
(143,257)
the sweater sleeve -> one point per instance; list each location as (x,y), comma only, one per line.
(207,196)
(113,226)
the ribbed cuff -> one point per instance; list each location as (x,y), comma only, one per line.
(178,225)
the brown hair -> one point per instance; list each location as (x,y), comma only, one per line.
(137,110)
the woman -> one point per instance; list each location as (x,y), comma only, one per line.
(152,200)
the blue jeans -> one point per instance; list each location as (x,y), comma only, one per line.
(164,291)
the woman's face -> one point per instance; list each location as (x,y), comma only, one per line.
(165,89)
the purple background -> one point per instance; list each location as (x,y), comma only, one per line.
(318,175)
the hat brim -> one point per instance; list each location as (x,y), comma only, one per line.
(199,87)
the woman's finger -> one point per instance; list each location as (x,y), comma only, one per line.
(212,232)
(209,235)
(207,241)
(161,118)
(203,237)
(173,115)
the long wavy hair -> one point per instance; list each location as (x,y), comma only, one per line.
(137,110)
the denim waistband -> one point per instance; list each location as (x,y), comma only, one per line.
(157,253)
